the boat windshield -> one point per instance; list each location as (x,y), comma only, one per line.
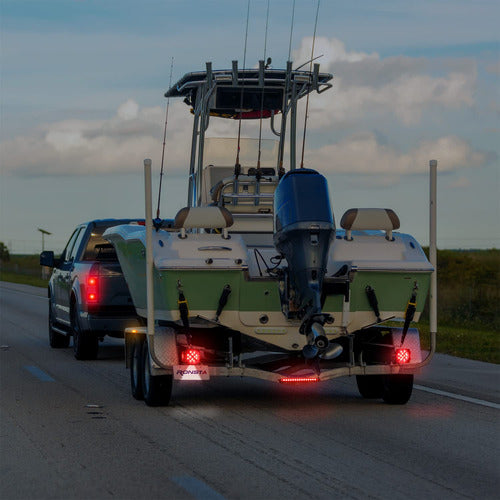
(221,151)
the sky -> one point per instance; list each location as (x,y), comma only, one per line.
(82,84)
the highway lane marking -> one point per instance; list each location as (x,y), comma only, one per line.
(3,288)
(475,401)
(39,374)
(196,488)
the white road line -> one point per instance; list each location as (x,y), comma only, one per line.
(460,397)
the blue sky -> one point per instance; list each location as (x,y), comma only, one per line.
(82,103)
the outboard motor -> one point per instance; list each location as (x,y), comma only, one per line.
(303,230)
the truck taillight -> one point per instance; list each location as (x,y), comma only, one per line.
(402,356)
(92,289)
(191,357)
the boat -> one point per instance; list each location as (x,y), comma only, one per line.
(253,277)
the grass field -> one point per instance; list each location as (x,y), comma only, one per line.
(468,297)
(463,342)
(25,279)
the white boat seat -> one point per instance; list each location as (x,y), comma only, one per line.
(203,217)
(383,219)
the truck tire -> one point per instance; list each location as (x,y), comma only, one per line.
(136,369)
(397,389)
(157,389)
(370,386)
(56,340)
(85,343)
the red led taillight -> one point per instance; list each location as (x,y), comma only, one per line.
(92,289)
(298,380)
(402,356)
(191,357)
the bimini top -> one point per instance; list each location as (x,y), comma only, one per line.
(254,92)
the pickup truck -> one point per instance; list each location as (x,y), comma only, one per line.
(88,295)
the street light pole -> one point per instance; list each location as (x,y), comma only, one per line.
(44,232)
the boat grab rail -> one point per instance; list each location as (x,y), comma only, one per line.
(228,190)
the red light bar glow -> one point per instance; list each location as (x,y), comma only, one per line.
(298,380)
(191,357)
(403,356)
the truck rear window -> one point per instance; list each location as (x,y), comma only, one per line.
(98,248)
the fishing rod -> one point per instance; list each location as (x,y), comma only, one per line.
(237,166)
(258,175)
(164,140)
(281,152)
(307,99)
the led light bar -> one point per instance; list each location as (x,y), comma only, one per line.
(298,380)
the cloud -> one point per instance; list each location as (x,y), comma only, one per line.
(332,51)
(366,83)
(362,154)
(119,144)
(81,147)
(460,183)
(494,68)
(391,90)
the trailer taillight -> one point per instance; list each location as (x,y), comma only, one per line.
(402,356)
(191,357)
(298,380)
(92,289)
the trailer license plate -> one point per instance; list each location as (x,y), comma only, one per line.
(191,372)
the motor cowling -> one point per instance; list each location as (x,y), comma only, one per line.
(303,230)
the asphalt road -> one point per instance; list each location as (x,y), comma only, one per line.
(70,429)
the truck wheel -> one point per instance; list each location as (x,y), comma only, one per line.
(370,386)
(156,389)
(136,369)
(56,340)
(397,389)
(85,344)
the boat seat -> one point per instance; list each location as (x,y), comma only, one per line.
(383,219)
(203,217)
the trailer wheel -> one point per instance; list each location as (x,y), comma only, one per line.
(397,389)
(156,389)
(370,386)
(56,340)
(85,344)
(136,369)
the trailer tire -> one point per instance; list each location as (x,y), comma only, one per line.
(370,386)
(397,389)
(157,389)
(85,343)
(56,340)
(136,369)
